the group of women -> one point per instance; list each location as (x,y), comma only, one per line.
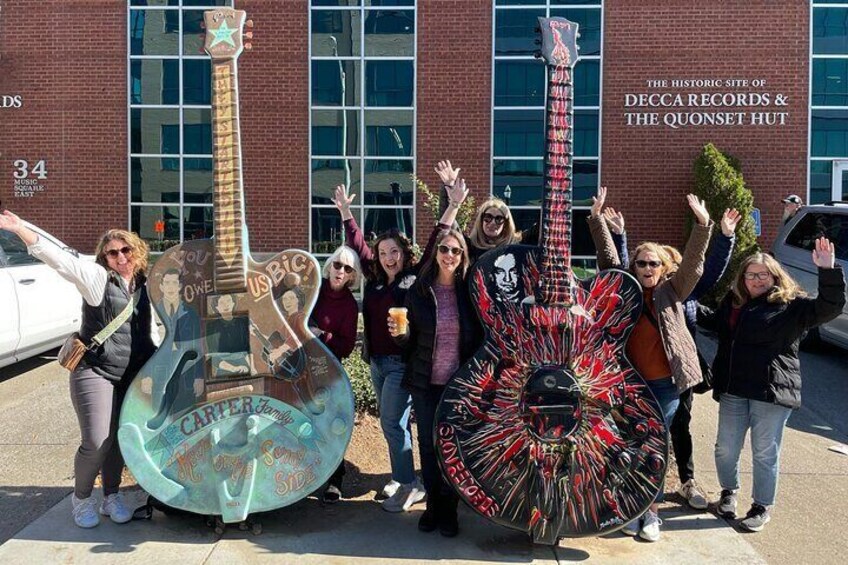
(755,375)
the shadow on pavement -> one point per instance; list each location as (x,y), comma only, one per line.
(26,365)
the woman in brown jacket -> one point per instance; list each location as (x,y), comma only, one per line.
(661,347)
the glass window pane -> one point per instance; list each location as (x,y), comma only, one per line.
(154,32)
(336,2)
(154,131)
(336,33)
(829,133)
(197,81)
(143,221)
(525,180)
(830,31)
(830,82)
(197,132)
(584,182)
(193,32)
(330,127)
(329,173)
(388,133)
(390,2)
(589,28)
(515,31)
(154,81)
(388,182)
(587,83)
(519,133)
(153,179)
(198,184)
(586,133)
(334,80)
(207,2)
(378,220)
(389,83)
(575,2)
(519,83)
(154,2)
(198,222)
(389,33)
(525,218)
(327,231)
(581,238)
(821,180)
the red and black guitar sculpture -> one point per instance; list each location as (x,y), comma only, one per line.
(548,429)
(241,409)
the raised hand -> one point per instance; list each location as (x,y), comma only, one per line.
(699,209)
(343,200)
(615,220)
(446,172)
(729,221)
(824,253)
(10,222)
(598,201)
(457,193)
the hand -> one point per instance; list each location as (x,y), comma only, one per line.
(146,383)
(729,221)
(598,201)
(198,387)
(275,354)
(316,331)
(823,254)
(699,209)
(615,220)
(457,193)
(10,222)
(447,173)
(342,199)
(393,329)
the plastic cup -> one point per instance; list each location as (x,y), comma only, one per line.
(398,314)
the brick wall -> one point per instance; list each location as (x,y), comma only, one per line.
(649,169)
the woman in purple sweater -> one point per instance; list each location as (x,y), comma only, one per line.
(333,321)
(390,271)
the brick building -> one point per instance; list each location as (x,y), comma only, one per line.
(105,117)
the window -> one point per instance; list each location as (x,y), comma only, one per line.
(815,225)
(518,115)
(362,116)
(13,252)
(170,119)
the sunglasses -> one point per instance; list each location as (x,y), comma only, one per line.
(125,251)
(642,264)
(757,276)
(338,265)
(489,218)
(445,249)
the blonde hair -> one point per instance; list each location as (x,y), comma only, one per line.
(785,288)
(669,256)
(140,250)
(507,236)
(348,256)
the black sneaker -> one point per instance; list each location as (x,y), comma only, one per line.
(727,504)
(332,495)
(429,521)
(756,519)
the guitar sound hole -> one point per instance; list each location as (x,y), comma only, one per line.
(551,405)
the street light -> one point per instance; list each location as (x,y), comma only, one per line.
(507,194)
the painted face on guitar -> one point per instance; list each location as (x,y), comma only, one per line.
(391,257)
(649,269)
(290,302)
(119,257)
(449,256)
(493,222)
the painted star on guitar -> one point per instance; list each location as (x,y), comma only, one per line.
(223,34)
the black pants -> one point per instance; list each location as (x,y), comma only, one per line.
(441,497)
(681,438)
(336,478)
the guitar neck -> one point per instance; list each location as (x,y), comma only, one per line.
(556,278)
(230,229)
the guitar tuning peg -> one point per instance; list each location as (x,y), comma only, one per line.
(249,23)
(577,36)
(248,46)
(248,35)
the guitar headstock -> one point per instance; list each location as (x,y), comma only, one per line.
(559,41)
(225,31)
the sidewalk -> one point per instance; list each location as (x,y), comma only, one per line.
(358,531)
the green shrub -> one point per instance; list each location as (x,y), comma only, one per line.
(360,380)
(464,215)
(719,182)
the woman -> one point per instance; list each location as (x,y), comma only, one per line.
(756,370)
(333,321)
(390,271)
(100,381)
(441,334)
(660,347)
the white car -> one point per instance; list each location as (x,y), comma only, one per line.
(38,308)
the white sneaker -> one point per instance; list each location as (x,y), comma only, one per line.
(114,507)
(405,497)
(632,528)
(389,490)
(693,495)
(83,510)
(650,527)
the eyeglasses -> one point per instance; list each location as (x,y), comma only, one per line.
(338,265)
(125,251)
(445,249)
(642,264)
(764,276)
(489,218)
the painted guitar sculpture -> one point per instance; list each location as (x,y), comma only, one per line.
(548,429)
(241,409)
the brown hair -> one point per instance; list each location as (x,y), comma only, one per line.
(785,288)
(507,236)
(431,267)
(669,257)
(140,250)
(377,271)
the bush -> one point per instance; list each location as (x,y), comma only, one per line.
(719,182)
(360,380)
(464,215)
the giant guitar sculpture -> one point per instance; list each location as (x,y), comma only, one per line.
(241,409)
(548,429)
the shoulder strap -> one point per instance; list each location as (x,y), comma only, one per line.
(119,320)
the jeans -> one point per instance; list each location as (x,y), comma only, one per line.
(394,404)
(666,393)
(767,422)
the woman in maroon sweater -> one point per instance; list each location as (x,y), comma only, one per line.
(333,321)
